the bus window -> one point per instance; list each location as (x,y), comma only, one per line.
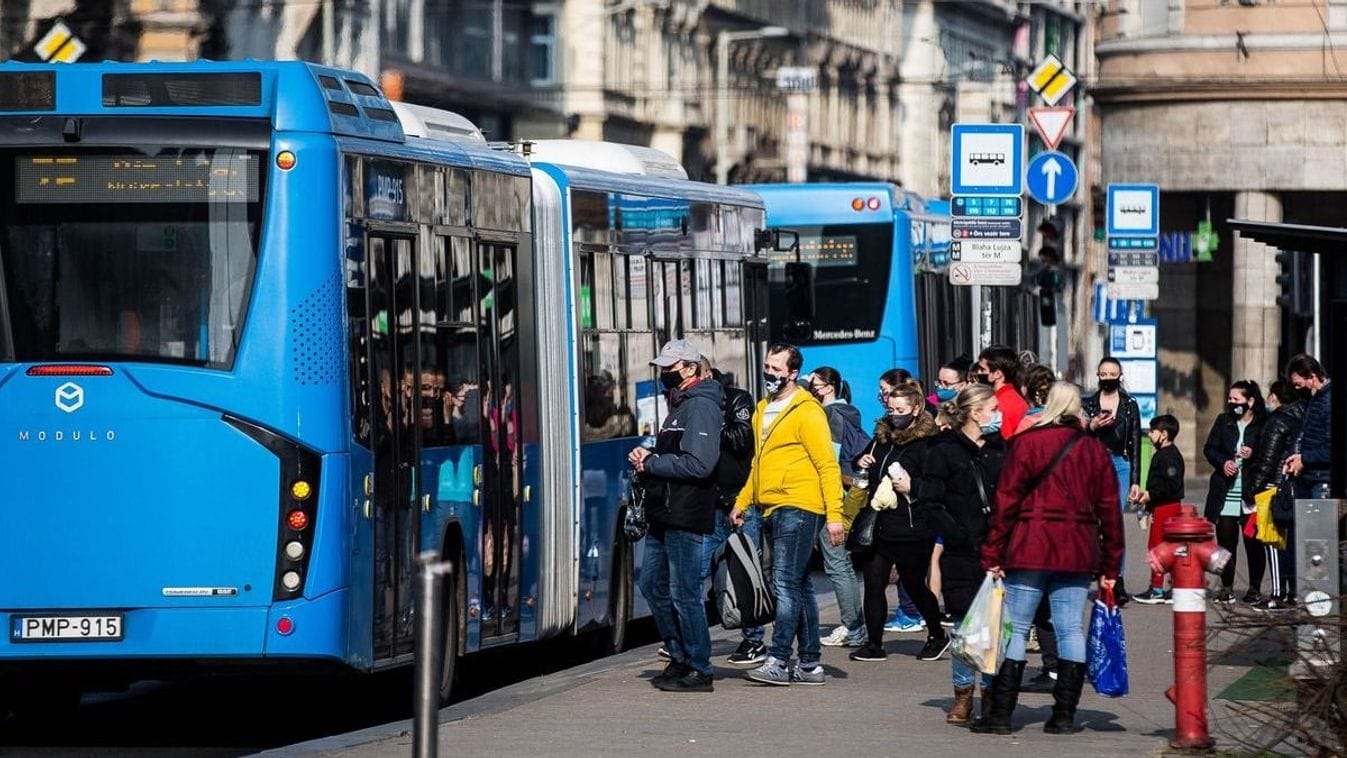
(851,278)
(95,273)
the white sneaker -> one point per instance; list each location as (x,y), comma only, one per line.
(837,637)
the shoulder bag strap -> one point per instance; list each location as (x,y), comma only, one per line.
(1053,464)
(982,490)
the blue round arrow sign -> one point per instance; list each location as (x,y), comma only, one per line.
(1051,178)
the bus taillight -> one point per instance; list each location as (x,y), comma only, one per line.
(299,495)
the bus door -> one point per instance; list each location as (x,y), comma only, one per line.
(501,482)
(394,364)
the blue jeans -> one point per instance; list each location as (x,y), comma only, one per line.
(1123,468)
(962,675)
(846,585)
(793,532)
(752,529)
(671,583)
(1067,594)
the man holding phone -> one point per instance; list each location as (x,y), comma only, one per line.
(1115,420)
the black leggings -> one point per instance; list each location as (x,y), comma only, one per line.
(1229,532)
(913,560)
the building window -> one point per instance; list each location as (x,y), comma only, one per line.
(1052,36)
(543,46)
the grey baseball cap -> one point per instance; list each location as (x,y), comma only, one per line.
(675,351)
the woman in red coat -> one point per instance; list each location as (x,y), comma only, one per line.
(1055,527)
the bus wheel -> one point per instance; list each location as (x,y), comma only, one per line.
(620,599)
(451,618)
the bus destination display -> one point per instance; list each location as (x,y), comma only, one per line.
(825,250)
(222,177)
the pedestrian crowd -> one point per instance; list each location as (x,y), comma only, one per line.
(1001,470)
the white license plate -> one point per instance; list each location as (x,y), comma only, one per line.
(103,627)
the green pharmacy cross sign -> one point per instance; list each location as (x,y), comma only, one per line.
(1205,242)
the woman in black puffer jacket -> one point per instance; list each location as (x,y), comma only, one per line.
(895,461)
(959,483)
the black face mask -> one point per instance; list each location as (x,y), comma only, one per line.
(984,378)
(1237,409)
(901,422)
(773,383)
(1110,385)
(670,379)
(1304,393)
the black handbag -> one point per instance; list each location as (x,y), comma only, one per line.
(862,535)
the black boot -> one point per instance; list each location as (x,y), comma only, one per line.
(1004,695)
(1065,697)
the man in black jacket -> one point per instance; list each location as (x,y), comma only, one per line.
(736,460)
(680,475)
(1310,463)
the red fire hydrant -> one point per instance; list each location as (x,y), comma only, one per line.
(1189,549)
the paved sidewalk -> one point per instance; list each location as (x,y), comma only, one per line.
(891,708)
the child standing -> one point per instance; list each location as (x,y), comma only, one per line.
(1163,493)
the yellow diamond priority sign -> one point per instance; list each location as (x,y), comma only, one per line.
(60,45)
(1051,79)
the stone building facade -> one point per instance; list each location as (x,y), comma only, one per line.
(1235,109)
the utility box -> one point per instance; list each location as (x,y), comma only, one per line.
(1318,586)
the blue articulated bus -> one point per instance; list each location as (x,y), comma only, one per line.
(870,244)
(266,336)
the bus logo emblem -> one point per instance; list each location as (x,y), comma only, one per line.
(70,397)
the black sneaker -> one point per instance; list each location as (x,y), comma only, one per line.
(935,647)
(672,672)
(748,654)
(689,682)
(1225,596)
(1252,597)
(663,652)
(869,652)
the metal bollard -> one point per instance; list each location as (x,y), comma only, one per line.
(1189,549)
(425,720)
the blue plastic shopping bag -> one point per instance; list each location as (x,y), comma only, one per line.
(1107,666)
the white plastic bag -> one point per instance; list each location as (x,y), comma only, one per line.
(980,639)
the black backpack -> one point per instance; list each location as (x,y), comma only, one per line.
(739,589)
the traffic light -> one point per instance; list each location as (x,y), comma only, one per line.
(1295,286)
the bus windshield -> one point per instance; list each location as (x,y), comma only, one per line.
(851,280)
(143,254)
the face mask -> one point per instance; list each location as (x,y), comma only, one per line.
(774,383)
(1109,385)
(984,378)
(901,421)
(946,394)
(994,425)
(1304,393)
(1236,409)
(670,379)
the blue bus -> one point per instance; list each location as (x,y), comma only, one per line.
(879,255)
(266,336)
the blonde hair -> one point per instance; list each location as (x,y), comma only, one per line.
(910,392)
(969,399)
(1063,406)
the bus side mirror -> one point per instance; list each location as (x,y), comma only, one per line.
(799,325)
(779,240)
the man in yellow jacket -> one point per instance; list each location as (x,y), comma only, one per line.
(796,481)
